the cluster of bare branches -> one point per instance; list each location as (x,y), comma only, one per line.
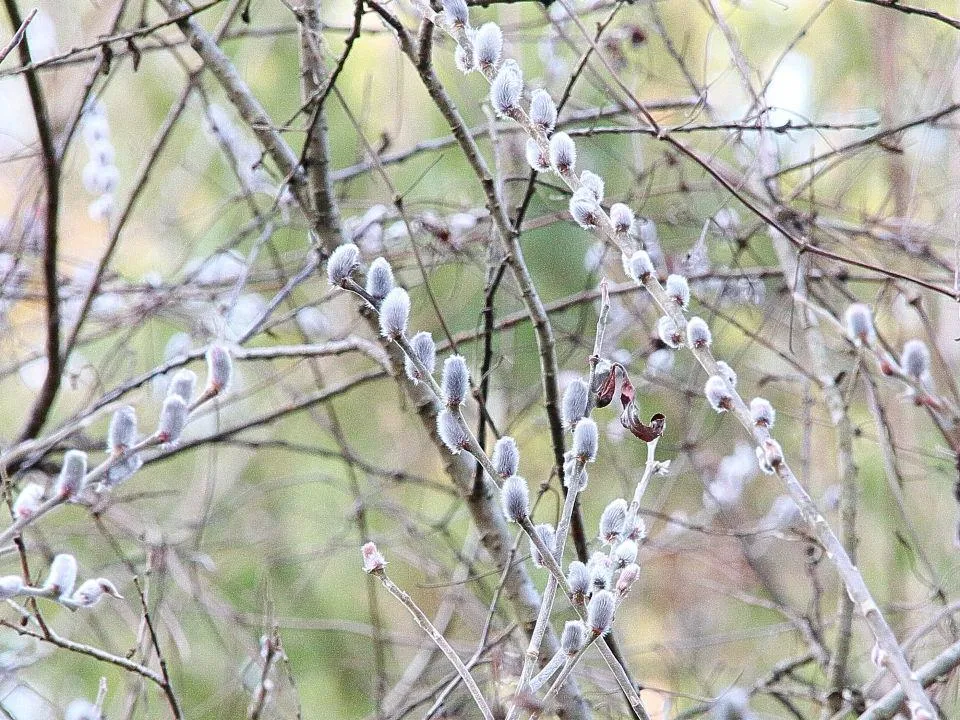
(521,244)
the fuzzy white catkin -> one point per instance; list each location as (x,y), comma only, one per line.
(506,89)
(488,46)
(516,498)
(72,474)
(457,11)
(394,313)
(450,431)
(625,553)
(772,453)
(584,208)
(678,289)
(859,321)
(81,709)
(916,359)
(90,592)
(594,183)
(613,521)
(762,462)
(343,262)
(62,575)
(536,158)
(463,60)
(727,373)
(372,558)
(698,333)
(543,111)
(122,433)
(641,266)
(122,470)
(578,578)
(586,438)
(575,398)
(628,576)
(173,418)
(183,384)
(219,368)
(572,637)
(718,394)
(622,218)
(563,153)
(10,586)
(668,332)
(455,381)
(762,412)
(28,501)
(600,568)
(636,528)
(425,351)
(548,537)
(506,457)
(379,279)
(600,612)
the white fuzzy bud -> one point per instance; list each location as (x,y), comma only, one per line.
(506,457)
(622,218)
(762,412)
(718,393)
(600,612)
(584,208)
(372,559)
(669,333)
(72,474)
(625,553)
(122,433)
(118,472)
(28,501)
(572,637)
(678,289)
(600,569)
(90,592)
(516,498)
(456,11)
(10,586)
(641,266)
(727,373)
(594,183)
(183,384)
(536,158)
(636,528)
(772,453)
(613,521)
(628,576)
(394,313)
(62,575)
(698,333)
(379,279)
(762,462)
(563,153)
(173,418)
(548,537)
(450,431)
(543,111)
(343,262)
(575,398)
(219,368)
(456,379)
(488,46)
(916,359)
(506,89)
(578,579)
(425,351)
(586,438)
(859,321)
(463,60)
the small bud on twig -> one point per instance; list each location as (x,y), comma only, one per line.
(678,289)
(613,521)
(516,498)
(727,373)
(173,418)
(698,333)
(916,360)
(457,12)
(455,381)
(578,578)
(28,501)
(669,333)
(379,279)
(122,433)
(488,46)
(641,266)
(586,438)
(628,576)
(572,637)
(543,111)
(90,592)
(584,208)
(563,153)
(548,536)
(506,89)
(625,553)
(343,262)
(600,612)
(859,321)
(622,218)
(70,481)
(425,351)
(450,431)
(62,575)
(506,457)
(536,158)
(10,586)
(575,398)
(718,394)
(219,369)
(183,384)
(372,559)
(394,313)
(762,412)
(594,183)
